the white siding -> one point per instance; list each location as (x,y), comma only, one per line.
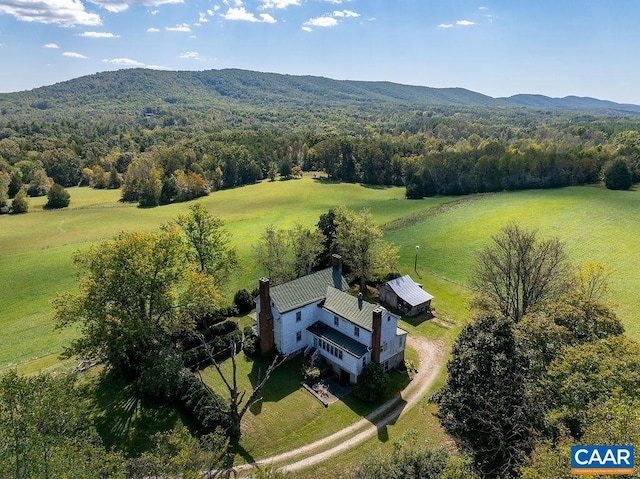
(389,337)
(287,328)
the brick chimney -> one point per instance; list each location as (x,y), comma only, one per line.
(336,262)
(376,335)
(265,318)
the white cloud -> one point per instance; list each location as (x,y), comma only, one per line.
(125,62)
(483,8)
(202,18)
(336,2)
(279,3)
(50,45)
(346,14)
(266,18)
(237,3)
(116,6)
(210,12)
(181,27)
(128,62)
(465,23)
(307,29)
(325,21)
(98,35)
(446,25)
(190,55)
(242,14)
(155,12)
(66,13)
(73,55)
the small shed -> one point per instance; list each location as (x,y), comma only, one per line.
(406,295)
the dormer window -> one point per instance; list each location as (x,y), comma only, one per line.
(356,331)
(299,316)
(336,321)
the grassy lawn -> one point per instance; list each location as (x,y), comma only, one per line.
(265,432)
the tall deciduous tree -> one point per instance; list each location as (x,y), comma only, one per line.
(288,254)
(485,404)
(273,254)
(237,406)
(45,431)
(519,271)
(136,292)
(361,245)
(208,243)
(307,246)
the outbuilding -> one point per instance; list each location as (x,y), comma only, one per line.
(405,295)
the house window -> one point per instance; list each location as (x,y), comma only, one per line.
(400,342)
(299,316)
(340,353)
(336,321)
(315,342)
(386,365)
(299,336)
(364,361)
(356,331)
(384,346)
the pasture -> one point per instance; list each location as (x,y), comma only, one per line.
(38,247)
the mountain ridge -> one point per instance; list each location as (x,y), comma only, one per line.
(126,92)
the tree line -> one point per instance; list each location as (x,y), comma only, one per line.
(435,156)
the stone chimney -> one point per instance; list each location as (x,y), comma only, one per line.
(336,262)
(265,319)
(376,335)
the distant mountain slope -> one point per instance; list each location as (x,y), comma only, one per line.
(572,103)
(135,92)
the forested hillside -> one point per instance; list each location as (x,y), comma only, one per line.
(172,136)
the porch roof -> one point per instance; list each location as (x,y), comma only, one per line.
(339,339)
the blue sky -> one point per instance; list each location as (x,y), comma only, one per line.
(495,47)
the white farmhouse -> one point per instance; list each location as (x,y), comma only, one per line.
(315,311)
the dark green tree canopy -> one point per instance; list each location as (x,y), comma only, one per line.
(617,175)
(58,197)
(485,405)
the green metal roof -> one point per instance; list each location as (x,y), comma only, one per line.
(307,289)
(350,308)
(339,339)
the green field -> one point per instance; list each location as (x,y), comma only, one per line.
(37,248)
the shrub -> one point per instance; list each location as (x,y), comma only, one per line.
(58,197)
(243,301)
(201,403)
(20,203)
(372,383)
(251,345)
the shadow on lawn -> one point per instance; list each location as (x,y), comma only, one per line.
(124,420)
(283,381)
